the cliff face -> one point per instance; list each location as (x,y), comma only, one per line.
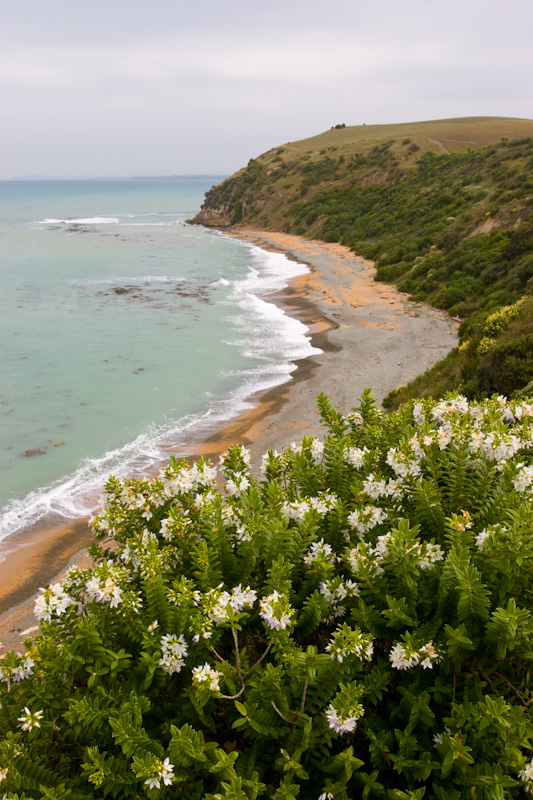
(213,217)
(443,208)
(271,189)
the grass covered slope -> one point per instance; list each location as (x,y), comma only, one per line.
(444,208)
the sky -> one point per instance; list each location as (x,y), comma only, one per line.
(173,87)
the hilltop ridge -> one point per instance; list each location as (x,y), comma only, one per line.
(262,191)
(444,208)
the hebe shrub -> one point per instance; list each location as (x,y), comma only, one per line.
(354,623)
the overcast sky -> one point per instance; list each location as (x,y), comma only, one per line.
(161,87)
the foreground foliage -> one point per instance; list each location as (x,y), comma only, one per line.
(356,623)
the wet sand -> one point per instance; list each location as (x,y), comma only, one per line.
(370,335)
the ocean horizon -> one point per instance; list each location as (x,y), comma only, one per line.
(125,332)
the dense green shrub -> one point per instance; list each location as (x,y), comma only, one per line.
(356,623)
(507,365)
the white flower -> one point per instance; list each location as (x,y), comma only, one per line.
(355,456)
(106,591)
(418,414)
(527,773)
(405,464)
(30,719)
(444,437)
(317,450)
(347,642)
(405,656)
(238,484)
(438,738)
(267,459)
(52,602)
(299,508)
(164,772)
(366,560)
(319,550)
(343,723)
(431,553)
(523,479)
(374,488)
(366,518)
(217,603)
(174,652)
(20,671)
(3,774)
(276,611)
(481,538)
(206,674)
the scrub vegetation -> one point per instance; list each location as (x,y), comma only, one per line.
(444,210)
(355,623)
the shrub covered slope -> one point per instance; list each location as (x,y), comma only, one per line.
(450,227)
(357,623)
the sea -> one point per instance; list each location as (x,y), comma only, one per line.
(125,332)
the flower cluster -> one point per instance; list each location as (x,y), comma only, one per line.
(342,714)
(405,656)
(174,525)
(276,611)
(526,775)
(104,591)
(485,535)
(335,591)
(348,642)
(500,447)
(237,484)
(179,478)
(162,771)
(173,653)
(319,551)
(52,602)
(30,719)
(236,455)
(356,456)
(523,478)
(403,463)
(430,553)
(365,518)
(299,509)
(206,674)
(16,668)
(183,593)
(365,561)
(218,605)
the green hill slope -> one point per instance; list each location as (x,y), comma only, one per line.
(443,207)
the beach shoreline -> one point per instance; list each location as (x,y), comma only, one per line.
(369,335)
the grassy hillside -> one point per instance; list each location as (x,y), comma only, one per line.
(443,207)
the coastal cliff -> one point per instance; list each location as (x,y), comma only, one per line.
(444,208)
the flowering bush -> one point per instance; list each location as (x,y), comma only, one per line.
(355,622)
(497,323)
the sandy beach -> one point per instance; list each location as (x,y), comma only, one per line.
(370,335)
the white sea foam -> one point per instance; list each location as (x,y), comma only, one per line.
(81,221)
(79,494)
(263,332)
(121,279)
(152,224)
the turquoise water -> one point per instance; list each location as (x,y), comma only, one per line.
(123,331)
